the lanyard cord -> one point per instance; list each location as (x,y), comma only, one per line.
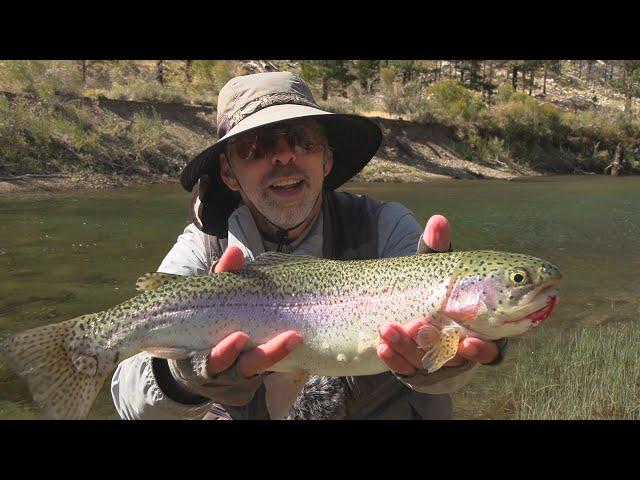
(282,233)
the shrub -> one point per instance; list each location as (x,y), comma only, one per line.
(525,120)
(504,93)
(403,98)
(336,104)
(223,71)
(147,91)
(483,149)
(43,79)
(606,125)
(361,100)
(451,102)
(146,134)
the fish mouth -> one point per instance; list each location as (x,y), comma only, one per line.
(547,297)
(541,315)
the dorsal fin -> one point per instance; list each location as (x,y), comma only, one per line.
(276,258)
(424,248)
(153,280)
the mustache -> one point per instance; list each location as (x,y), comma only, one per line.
(287,171)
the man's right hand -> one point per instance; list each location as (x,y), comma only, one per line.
(230,349)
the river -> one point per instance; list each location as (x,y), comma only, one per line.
(66,254)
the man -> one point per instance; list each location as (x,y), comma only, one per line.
(268,184)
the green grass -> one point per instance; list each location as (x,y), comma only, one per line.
(147,91)
(587,373)
(70,137)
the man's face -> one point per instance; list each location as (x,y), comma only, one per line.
(279,169)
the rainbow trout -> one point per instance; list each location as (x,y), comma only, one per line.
(337,306)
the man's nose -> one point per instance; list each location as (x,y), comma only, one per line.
(282,151)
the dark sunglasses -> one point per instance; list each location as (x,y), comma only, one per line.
(301,138)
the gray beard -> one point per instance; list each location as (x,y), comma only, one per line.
(286,220)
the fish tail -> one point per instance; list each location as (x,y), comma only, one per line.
(62,375)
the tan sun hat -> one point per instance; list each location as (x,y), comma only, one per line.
(253,101)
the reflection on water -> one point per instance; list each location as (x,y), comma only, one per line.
(68,254)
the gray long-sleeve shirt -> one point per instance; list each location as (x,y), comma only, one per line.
(134,389)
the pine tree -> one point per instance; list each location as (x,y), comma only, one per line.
(531,67)
(515,66)
(330,73)
(367,73)
(629,84)
(405,68)
(187,70)
(83,66)
(160,71)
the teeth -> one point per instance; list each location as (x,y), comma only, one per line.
(286,184)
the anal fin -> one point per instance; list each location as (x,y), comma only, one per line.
(440,345)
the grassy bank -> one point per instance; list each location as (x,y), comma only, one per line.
(516,130)
(71,135)
(121,122)
(587,373)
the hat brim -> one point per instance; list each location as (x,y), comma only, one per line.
(353,139)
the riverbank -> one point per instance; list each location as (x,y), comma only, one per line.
(59,183)
(68,142)
(119,143)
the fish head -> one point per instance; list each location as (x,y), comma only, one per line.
(500,294)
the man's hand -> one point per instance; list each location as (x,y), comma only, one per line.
(256,360)
(398,348)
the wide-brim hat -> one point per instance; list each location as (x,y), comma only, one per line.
(254,101)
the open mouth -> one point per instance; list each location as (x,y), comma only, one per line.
(540,315)
(287,188)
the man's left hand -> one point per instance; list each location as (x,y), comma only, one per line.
(398,349)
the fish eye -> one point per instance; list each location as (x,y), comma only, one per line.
(519,276)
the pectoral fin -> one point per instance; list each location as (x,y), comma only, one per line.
(173,353)
(440,345)
(282,389)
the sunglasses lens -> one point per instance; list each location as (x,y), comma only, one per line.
(245,145)
(302,139)
(306,139)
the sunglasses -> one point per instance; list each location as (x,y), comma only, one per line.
(302,139)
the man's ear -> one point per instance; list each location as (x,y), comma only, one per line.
(227,175)
(327,164)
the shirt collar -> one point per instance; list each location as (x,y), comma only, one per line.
(244,233)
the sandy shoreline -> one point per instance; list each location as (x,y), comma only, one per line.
(378,171)
(94,182)
(78,182)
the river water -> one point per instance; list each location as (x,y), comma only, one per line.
(66,254)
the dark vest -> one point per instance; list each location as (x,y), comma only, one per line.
(350,232)
(350,228)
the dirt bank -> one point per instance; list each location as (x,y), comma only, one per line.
(77,182)
(410,152)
